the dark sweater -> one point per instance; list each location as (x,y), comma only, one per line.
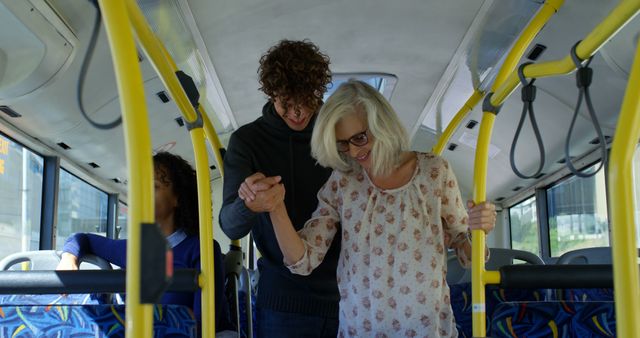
(269,146)
(186,255)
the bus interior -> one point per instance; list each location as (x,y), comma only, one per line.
(565,235)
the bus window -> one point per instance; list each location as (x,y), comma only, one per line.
(577,209)
(524,226)
(81,208)
(21,173)
(121,225)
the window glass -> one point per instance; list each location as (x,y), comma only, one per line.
(121,225)
(21,174)
(523,218)
(577,210)
(81,208)
(384,83)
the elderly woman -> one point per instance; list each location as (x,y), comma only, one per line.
(395,209)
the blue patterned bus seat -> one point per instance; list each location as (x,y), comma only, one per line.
(57,299)
(461,302)
(585,295)
(22,321)
(554,319)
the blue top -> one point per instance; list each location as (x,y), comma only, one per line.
(186,255)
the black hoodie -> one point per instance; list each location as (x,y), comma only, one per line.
(269,146)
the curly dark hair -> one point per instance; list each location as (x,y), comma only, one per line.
(173,169)
(295,70)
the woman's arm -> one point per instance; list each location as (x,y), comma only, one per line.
(457,223)
(291,244)
(304,250)
(80,244)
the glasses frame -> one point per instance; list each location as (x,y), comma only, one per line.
(344,144)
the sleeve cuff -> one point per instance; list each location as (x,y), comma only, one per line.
(243,210)
(301,267)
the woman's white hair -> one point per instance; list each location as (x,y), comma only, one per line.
(389,135)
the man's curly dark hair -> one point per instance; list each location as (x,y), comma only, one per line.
(295,70)
(173,169)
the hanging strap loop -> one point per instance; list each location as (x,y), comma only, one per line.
(528,96)
(584,75)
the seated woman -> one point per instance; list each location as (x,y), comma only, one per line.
(176,213)
(395,211)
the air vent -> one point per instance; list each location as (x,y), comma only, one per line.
(596,140)
(499,199)
(63,146)
(471,124)
(117,180)
(179,121)
(562,160)
(9,111)
(517,188)
(162,95)
(93,165)
(213,167)
(536,51)
(540,175)
(452,146)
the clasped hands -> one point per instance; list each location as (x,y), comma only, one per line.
(261,193)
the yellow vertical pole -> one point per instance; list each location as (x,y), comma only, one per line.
(139,317)
(478,244)
(623,231)
(207,278)
(479,276)
(166,68)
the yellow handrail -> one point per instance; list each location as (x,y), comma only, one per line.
(212,136)
(548,9)
(479,276)
(166,68)
(617,18)
(139,317)
(455,122)
(623,233)
(156,53)
(528,34)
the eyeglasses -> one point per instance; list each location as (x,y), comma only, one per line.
(357,140)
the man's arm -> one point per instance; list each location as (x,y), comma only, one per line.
(236,220)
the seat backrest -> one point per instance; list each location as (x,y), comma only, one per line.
(498,257)
(38,260)
(600,255)
(455,272)
(49,259)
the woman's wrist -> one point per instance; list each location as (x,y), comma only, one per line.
(69,256)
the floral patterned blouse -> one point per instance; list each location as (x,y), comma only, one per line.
(392,268)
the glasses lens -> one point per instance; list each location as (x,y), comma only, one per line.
(343,146)
(360,139)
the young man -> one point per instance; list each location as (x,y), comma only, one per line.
(275,148)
